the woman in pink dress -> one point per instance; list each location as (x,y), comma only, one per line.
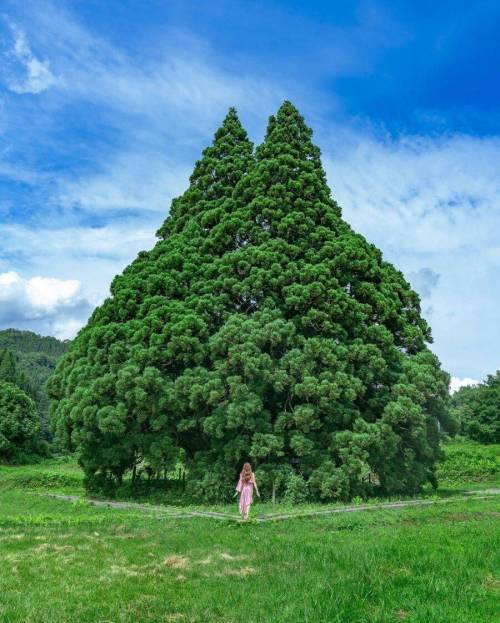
(245,487)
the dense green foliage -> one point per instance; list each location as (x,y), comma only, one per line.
(477,409)
(27,343)
(10,373)
(259,327)
(34,358)
(469,462)
(19,423)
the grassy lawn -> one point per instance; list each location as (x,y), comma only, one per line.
(70,562)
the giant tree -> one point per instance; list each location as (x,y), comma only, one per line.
(259,327)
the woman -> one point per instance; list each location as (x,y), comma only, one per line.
(245,487)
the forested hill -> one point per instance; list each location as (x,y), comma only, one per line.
(27,342)
(36,356)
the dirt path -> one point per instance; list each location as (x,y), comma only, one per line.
(164,510)
(175,513)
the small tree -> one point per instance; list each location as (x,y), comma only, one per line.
(19,425)
(8,368)
(477,410)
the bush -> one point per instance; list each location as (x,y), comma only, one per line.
(296,490)
(214,485)
(477,408)
(469,463)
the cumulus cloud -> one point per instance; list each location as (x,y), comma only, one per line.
(456,383)
(58,306)
(36,74)
(91,255)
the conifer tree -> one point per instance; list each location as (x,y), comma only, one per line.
(19,423)
(10,373)
(8,369)
(260,327)
(114,392)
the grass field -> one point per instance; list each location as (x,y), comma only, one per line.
(71,562)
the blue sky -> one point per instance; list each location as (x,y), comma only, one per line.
(105,106)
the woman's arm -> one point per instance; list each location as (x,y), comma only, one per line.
(256,487)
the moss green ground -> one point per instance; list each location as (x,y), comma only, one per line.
(71,562)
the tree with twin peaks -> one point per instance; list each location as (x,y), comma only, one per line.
(260,327)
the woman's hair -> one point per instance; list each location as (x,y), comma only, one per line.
(246,473)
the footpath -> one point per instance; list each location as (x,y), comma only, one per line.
(176,513)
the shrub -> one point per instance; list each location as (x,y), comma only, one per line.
(296,490)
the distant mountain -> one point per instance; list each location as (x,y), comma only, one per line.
(36,356)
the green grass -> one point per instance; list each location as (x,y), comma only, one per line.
(69,562)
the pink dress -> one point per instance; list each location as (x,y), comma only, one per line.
(246,495)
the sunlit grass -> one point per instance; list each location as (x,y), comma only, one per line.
(69,561)
(73,562)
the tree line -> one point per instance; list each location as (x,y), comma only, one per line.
(26,361)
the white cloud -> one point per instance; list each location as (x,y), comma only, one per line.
(66,329)
(130,181)
(428,190)
(179,82)
(90,255)
(36,297)
(456,383)
(37,76)
(433,206)
(52,305)
(48,294)
(72,242)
